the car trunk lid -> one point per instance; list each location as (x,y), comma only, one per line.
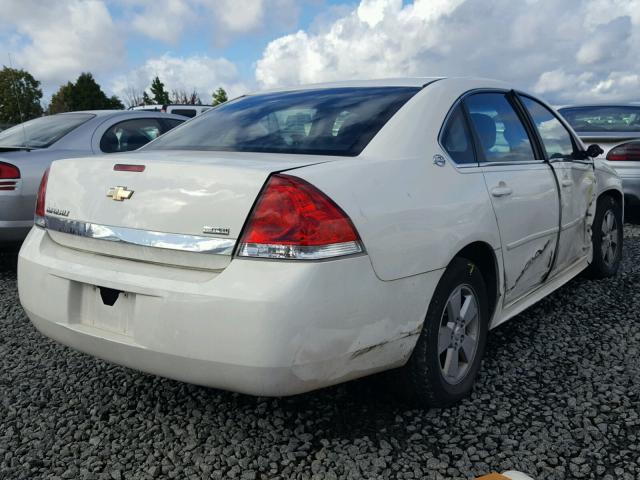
(184,208)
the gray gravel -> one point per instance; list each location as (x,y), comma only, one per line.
(558,398)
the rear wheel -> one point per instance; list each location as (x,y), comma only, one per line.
(606,238)
(447,357)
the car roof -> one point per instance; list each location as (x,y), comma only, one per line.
(417,82)
(115,113)
(601,105)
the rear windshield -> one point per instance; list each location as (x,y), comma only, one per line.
(338,121)
(603,119)
(42,132)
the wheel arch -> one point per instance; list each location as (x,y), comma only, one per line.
(484,256)
(615,194)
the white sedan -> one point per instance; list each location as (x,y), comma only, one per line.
(298,238)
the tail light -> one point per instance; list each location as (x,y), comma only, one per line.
(627,152)
(9,176)
(42,193)
(294,220)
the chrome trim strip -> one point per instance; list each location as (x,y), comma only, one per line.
(143,238)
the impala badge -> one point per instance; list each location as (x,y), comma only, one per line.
(216,230)
(119,193)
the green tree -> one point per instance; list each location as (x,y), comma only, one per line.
(62,100)
(146,99)
(219,96)
(20,96)
(160,95)
(84,94)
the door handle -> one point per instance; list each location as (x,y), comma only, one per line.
(502,190)
(566,182)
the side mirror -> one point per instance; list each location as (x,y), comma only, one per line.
(594,151)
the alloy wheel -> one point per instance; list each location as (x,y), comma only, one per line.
(458,334)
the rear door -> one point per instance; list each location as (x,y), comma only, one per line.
(522,188)
(576,179)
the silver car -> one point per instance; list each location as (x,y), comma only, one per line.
(26,151)
(616,128)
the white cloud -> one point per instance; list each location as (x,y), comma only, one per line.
(201,73)
(566,50)
(163,20)
(220,20)
(63,39)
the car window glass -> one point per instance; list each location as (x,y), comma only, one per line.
(501,134)
(44,131)
(130,135)
(169,123)
(603,118)
(186,112)
(331,121)
(556,139)
(456,138)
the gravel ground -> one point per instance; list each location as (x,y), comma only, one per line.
(558,398)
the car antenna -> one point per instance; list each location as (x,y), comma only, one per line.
(15,91)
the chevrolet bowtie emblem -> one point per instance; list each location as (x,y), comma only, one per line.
(119,193)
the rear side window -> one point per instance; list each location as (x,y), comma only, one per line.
(456,138)
(337,121)
(44,131)
(556,139)
(502,136)
(130,135)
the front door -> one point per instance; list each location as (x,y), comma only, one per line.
(523,191)
(577,184)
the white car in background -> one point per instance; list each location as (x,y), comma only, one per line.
(27,150)
(186,110)
(616,128)
(294,239)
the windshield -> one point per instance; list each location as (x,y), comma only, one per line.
(603,119)
(338,121)
(42,132)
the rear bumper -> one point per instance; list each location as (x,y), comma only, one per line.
(16,216)
(629,173)
(258,327)
(631,189)
(14,231)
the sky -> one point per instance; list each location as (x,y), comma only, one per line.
(566,51)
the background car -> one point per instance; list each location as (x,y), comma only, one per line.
(26,150)
(186,110)
(616,128)
(298,238)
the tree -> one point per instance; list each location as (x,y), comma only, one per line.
(84,94)
(219,96)
(133,96)
(160,95)
(182,97)
(20,96)
(146,99)
(62,100)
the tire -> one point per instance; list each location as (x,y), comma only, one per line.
(606,238)
(429,376)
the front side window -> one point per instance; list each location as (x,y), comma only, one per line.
(130,135)
(44,131)
(456,138)
(556,139)
(336,121)
(603,119)
(502,136)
